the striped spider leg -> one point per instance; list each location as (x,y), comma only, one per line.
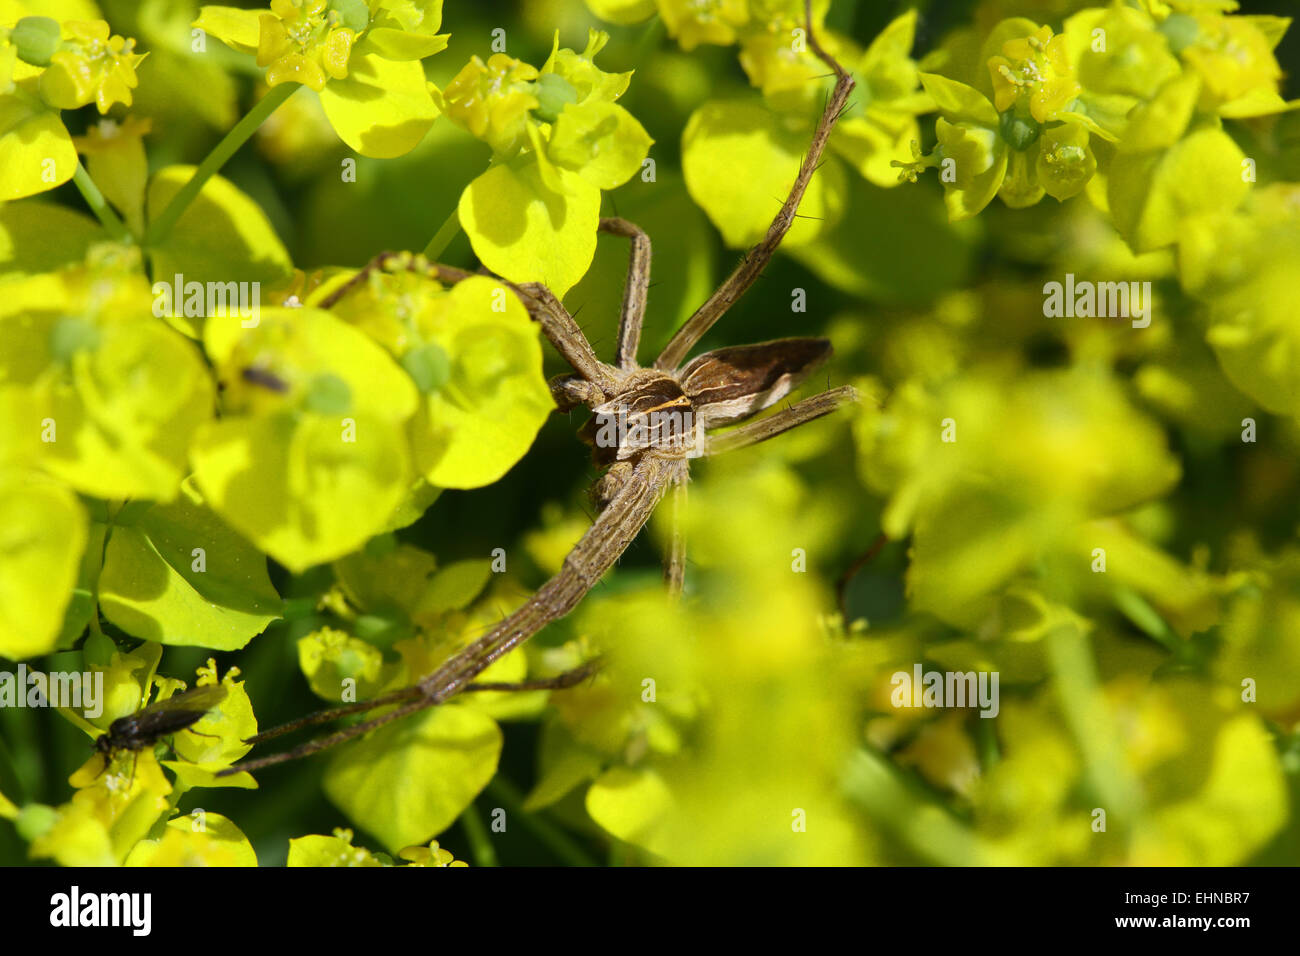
(646,426)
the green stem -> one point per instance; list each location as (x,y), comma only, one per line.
(650,37)
(1083,705)
(110,517)
(95,627)
(986,743)
(559,842)
(908,811)
(222,152)
(480,841)
(99,205)
(448,231)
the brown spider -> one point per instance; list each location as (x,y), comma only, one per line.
(647,424)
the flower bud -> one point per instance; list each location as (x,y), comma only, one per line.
(36,39)
(554,92)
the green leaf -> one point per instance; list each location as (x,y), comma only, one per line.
(1261,638)
(1163,121)
(296,488)
(602,142)
(979,517)
(127,426)
(383,107)
(920,256)
(130,392)
(399,45)
(42,534)
(120,170)
(1216,778)
(685,254)
(630,803)
(980,166)
(873,140)
(411,779)
(455,586)
(306,487)
(1244,267)
(155,587)
(622,12)
(390,583)
(199,838)
(887,67)
(36,152)
(958,102)
(580,70)
(329,657)
(223,236)
(419,17)
(236,28)
(527,232)
(217,740)
(417,501)
(38,236)
(180,87)
(337,850)
(1152,195)
(482,420)
(740,160)
(564,765)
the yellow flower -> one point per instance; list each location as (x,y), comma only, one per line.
(431,855)
(1035,70)
(8,61)
(115,158)
(91,66)
(1234,57)
(108,136)
(878,134)
(998,154)
(299,41)
(492,100)
(772,57)
(693,22)
(1065,161)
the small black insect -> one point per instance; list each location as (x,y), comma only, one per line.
(162,718)
(265,378)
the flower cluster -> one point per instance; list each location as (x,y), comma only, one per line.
(314,41)
(1030,124)
(364,59)
(46,67)
(558,139)
(737,152)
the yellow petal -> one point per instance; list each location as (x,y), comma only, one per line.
(296,68)
(337,50)
(273,41)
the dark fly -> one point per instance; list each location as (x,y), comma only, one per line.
(162,718)
(265,378)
